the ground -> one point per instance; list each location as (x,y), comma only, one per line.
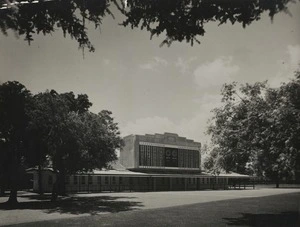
(260,207)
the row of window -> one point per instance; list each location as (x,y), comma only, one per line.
(194,180)
(82,180)
(169,157)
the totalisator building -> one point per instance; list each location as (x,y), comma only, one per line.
(157,162)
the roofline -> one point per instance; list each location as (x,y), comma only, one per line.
(138,174)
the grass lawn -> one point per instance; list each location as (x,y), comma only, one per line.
(264,207)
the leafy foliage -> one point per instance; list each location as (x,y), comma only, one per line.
(178,20)
(14,119)
(257,130)
(46,16)
(52,129)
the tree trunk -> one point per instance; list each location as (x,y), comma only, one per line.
(2,191)
(41,192)
(61,184)
(13,196)
(54,192)
(55,189)
(14,171)
(2,187)
(277,180)
(13,188)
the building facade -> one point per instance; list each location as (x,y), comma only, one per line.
(165,153)
(159,162)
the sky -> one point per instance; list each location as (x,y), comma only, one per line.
(152,89)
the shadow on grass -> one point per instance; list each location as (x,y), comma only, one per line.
(272,220)
(75,205)
(261,211)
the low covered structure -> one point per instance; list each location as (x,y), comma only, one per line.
(159,162)
(125,180)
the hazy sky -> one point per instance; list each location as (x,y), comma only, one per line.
(151,89)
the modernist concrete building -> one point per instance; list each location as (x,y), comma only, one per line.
(161,153)
(159,162)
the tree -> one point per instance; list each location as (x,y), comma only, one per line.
(51,129)
(14,119)
(178,20)
(256,130)
(4,170)
(75,140)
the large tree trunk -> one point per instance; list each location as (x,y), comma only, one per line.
(13,196)
(2,191)
(277,183)
(2,187)
(61,184)
(14,177)
(54,192)
(40,180)
(277,180)
(13,187)
(55,189)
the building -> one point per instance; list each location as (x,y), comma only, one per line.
(161,153)
(159,162)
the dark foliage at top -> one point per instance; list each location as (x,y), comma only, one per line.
(177,20)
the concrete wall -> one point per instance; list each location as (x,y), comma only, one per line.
(168,138)
(128,154)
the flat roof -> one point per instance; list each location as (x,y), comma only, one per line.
(113,172)
(139,174)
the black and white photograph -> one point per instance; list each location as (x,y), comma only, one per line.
(150,113)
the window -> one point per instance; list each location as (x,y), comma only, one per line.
(90,179)
(75,179)
(106,180)
(82,179)
(142,155)
(114,180)
(50,180)
(99,179)
(202,180)
(120,180)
